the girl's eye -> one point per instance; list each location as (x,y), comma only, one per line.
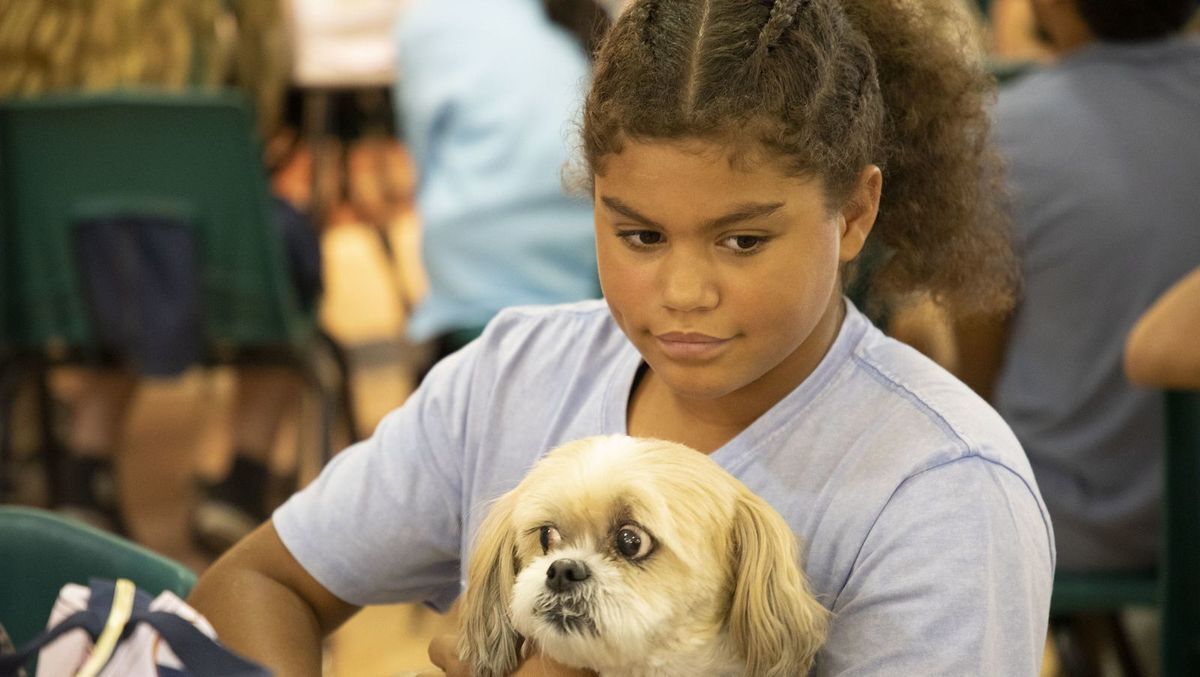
(633,543)
(549,537)
(744,244)
(641,238)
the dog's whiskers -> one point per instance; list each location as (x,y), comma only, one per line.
(567,613)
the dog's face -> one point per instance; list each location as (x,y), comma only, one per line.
(615,549)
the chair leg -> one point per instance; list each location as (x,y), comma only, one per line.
(333,401)
(310,372)
(1079,638)
(1130,665)
(10,382)
(1076,656)
(51,447)
(345,394)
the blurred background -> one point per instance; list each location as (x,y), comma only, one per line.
(338,208)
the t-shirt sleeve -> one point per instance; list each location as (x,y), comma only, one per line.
(953,578)
(382,523)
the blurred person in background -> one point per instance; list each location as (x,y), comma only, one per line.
(98,45)
(1013,33)
(1102,151)
(488,94)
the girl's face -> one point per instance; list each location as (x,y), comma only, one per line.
(723,277)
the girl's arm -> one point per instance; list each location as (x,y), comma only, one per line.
(1163,349)
(962,553)
(266,607)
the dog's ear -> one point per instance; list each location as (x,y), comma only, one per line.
(775,621)
(487,640)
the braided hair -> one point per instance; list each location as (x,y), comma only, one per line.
(824,88)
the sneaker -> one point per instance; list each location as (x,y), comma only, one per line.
(230,509)
(87,491)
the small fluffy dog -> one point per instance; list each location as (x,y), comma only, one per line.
(637,557)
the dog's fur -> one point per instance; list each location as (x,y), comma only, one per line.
(720,591)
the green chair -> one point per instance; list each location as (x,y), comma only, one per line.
(1175,588)
(192,156)
(44,551)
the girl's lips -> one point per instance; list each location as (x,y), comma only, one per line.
(687,337)
(690,346)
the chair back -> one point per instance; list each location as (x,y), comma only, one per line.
(191,156)
(1179,582)
(1174,587)
(42,551)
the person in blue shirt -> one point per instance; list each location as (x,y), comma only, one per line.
(741,156)
(487,93)
(1103,164)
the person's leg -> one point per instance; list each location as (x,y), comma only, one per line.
(235,505)
(86,482)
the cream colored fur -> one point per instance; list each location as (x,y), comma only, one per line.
(721,593)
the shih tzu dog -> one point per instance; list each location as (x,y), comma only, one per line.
(634,557)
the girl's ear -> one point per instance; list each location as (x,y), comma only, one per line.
(859,212)
(775,621)
(487,640)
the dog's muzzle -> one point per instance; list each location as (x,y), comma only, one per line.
(564,605)
(566,574)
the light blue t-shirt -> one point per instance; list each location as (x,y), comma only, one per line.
(1104,169)
(489,95)
(921,525)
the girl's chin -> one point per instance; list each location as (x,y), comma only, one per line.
(694,386)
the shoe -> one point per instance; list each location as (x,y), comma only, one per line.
(230,509)
(87,491)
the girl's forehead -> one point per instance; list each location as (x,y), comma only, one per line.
(708,168)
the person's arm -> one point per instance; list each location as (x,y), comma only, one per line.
(266,607)
(953,578)
(1163,348)
(979,344)
(1013,32)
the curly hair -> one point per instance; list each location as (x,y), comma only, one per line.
(825,88)
(95,45)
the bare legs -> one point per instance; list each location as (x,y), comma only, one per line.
(227,508)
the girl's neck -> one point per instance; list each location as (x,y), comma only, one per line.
(708,424)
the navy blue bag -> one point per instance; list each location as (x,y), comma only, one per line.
(199,653)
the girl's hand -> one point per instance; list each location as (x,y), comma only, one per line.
(443,651)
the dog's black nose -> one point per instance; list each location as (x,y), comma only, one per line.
(565,574)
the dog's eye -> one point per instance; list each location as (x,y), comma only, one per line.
(549,537)
(633,542)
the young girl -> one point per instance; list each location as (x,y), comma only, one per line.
(741,153)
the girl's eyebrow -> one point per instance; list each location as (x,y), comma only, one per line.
(741,212)
(627,211)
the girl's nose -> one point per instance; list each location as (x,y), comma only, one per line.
(688,283)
